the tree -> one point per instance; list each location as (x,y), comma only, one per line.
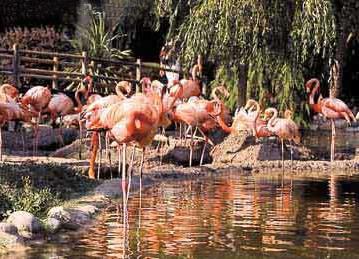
(273,45)
(346,13)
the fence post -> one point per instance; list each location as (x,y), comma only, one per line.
(138,75)
(15,64)
(55,68)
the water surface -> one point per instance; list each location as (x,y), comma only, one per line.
(225,216)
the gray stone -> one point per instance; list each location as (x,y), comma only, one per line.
(79,217)
(60,214)
(52,225)
(88,209)
(8,228)
(25,222)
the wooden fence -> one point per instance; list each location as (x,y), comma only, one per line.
(18,63)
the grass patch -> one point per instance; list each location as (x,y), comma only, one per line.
(38,187)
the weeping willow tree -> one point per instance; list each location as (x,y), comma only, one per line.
(267,46)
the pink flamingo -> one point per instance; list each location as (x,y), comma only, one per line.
(331,108)
(250,120)
(199,114)
(9,90)
(38,97)
(10,111)
(283,128)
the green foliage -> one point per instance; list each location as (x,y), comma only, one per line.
(97,41)
(42,186)
(28,198)
(279,41)
(229,78)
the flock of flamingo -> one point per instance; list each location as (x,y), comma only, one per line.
(135,118)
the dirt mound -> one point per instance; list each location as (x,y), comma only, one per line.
(244,148)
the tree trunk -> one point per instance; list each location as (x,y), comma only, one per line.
(336,82)
(242,87)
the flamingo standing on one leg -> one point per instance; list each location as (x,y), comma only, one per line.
(283,128)
(38,97)
(331,108)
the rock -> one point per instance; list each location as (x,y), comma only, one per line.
(52,225)
(8,228)
(89,209)
(26,223)
(79,217)
(60,214)
(72,219)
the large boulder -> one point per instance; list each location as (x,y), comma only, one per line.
(60,214)
(26,223)
(243,148)
(52,225)
(8,228)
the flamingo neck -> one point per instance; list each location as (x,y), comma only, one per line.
(78,101)
(224,126)
(314,91)
(258,111)
(270,123)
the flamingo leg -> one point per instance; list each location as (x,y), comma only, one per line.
(142,161)
(130,171)
(80,148)
(203,150)
(191,148)
(100,157)
(123,167)
(94,148)
(291,154)
(282,140)
(108,152)
(23,139)
(62,142)
(34,149)
(332,149)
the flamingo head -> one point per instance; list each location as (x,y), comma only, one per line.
(124,86)
(311,84)
(87,80)
(288,114)
(10,90)
(146,81)
(268,113)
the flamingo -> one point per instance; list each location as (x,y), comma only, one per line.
(135,119)
(188,88)
(9,90)
(248,120)
(283,128)
(38,98)
(198,113)
(331,108)
(10,111)
(92,114)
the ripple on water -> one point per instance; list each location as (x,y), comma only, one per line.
(227,216)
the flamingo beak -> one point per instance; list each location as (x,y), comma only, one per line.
(308,90)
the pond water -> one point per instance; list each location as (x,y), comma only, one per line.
(226,216)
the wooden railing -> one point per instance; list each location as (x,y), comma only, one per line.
(57,67)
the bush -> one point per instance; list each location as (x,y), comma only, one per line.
(28,198)
(41,186)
